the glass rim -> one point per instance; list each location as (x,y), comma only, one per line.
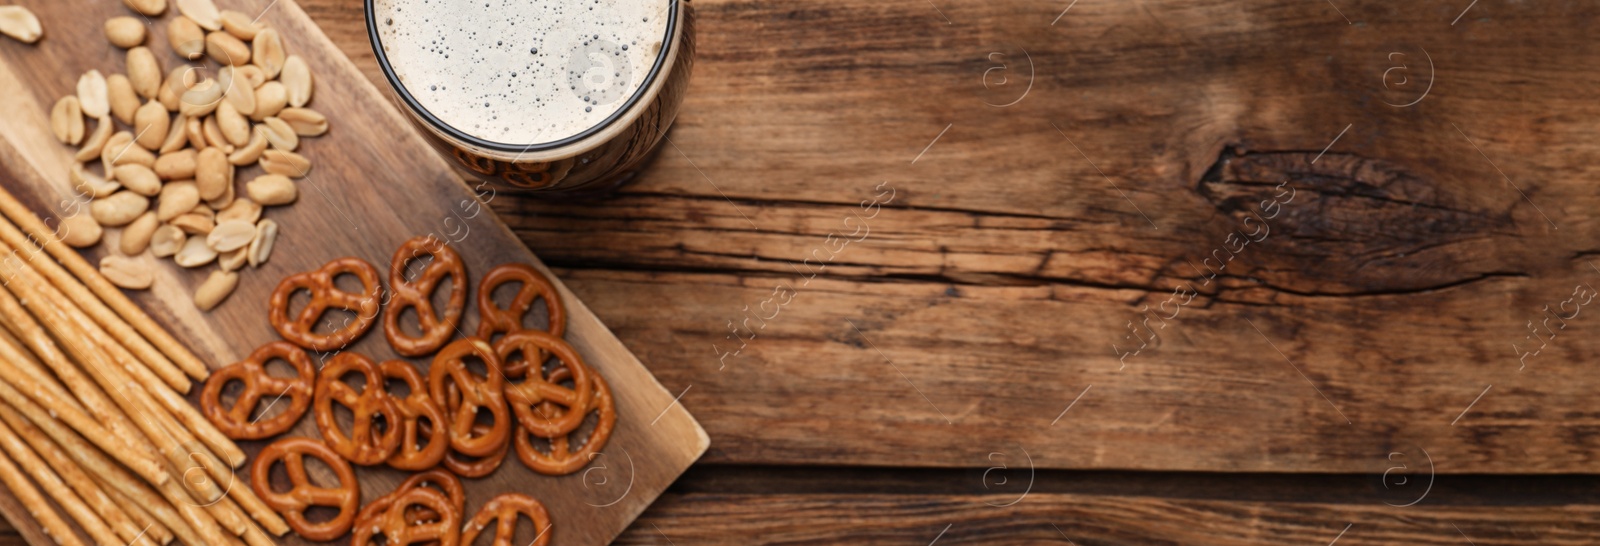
(454,133)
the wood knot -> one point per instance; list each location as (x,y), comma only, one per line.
(1346,225)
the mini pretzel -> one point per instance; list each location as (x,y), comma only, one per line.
(493,319)
(302,493)
(325,295)
(415,407)
(235,422)
(471,395)
(364,445)
(418,294)
(476,467)
(503,511)
(562,459)
(387,516)
(537,389)
(442,480)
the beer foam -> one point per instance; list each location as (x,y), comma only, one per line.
(521,72)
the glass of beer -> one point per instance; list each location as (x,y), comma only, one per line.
(538,96)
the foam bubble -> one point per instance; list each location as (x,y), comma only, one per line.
(521,72)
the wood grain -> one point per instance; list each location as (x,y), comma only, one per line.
(1012,258)
(1086,520)
(373,185)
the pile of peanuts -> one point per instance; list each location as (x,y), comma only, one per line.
(168,180)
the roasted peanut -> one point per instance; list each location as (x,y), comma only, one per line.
(272,190)
(166,241)
(177,198)
(136,237)
(126,272)
(119,208)
(124,32)
(215,289)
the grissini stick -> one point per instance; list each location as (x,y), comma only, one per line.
(20,412)
(85,394)
(155,533)
(13,349)
(76,508)
(167,436)
(125,525)
(104,373)
(33,282)
(126,313)
(89,347)
(136,459)
(29,496)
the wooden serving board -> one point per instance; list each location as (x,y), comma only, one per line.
(374,183)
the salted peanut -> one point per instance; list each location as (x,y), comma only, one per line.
(124,100)
(200,100)
(188,40)
(272,190)
(194,253)
(241,26)
(166,241)
(305,121)
(235,128)
(169,96)
(242,210)
(250,73)
(147,7)
(261,246)
(267,52)
(296,78)
(194,224)
(79,231)
(251,151)
(120,149)
(126,272)
(222,201)
(231,235)
(203,12)
(226,49)
(125,32)
(205,211)
(213,173)
(89,184)
(151,124)
(177,136)
(92,94)
(119,208)
(216,288)
(237,91)
(19,23)
(96,142)
(285,163)
(136,237)
(213,134)
(280,134)
(196,131)
(233,260)
(271,97)
(138,179)
(144,71)
(66,120)
(179,165)
(177,199)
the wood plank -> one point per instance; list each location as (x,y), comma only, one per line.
(1087,520)
(374,184)
(719,505)
(1008,264)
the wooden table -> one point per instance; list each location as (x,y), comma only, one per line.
(1361,206)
